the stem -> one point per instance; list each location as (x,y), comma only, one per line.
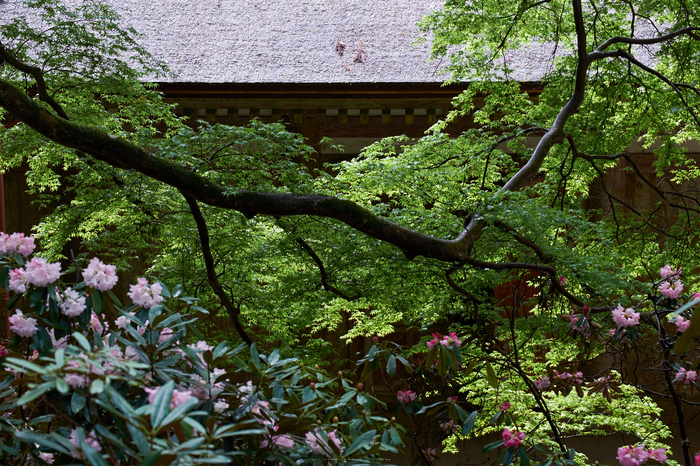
(233,311)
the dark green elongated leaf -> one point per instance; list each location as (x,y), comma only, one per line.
(23,363)
(180,410)
(307,395)
(82,341)
(492,446)
(77,402)
(255,356)
(361,441)
(114,440)
(97,386)
(161,403)
(62,386)
(491,375)
(13,300)
(396,437)
(495,417)
(425,408)
(460,412)
(35,393)
(391,365)
(41,440)
(98,302)
(524,459)
(469,423)
(114,299)
(508,457)
(93,457)
(151,458)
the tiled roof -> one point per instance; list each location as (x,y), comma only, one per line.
(293,41)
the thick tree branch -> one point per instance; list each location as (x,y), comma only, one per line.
(690,31)
(38,76)
(233,311)
(123,154)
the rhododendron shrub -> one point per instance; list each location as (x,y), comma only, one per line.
(91,380)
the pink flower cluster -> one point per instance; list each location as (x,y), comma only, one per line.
(449,426)
(686,377)
(512,439)
(625,317)
(319,445)
(3,350)
(71,302)
(682,323)
(542,383)
(90,440)
(16,242)
(505,406)
(178,397)
(670,287)
(579,323)
(25,327)
(446,341)
(405,397)
(577,378)
(99,276)
(37,272)
(143,295)
(637,456)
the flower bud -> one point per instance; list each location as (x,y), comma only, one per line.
(364,412)
(317,367)
(393,419)
(340,374)
(360,386)
(312,385)
(336,420)
(318,423)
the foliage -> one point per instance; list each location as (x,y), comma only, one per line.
(360,248)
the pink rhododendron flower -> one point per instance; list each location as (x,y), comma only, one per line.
(282,441)
(671,291)
(95,323)
(220,406)
(18,281)
(90,440)
(632,456)
(697,459)
(685,377)
(143,295)
(625,317)
(696,296)
(16,242)
(99,276)
(71,302)
(25,327)
(405,397)
(578,323)
(658,455)
(505,406)
(562,281)
(512,439)
(46,457)
(40,273)
(682,323)
(667,272)
(451,339)
(177,398)
(319,445)
(434,341)
(449,426)
(542,383)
